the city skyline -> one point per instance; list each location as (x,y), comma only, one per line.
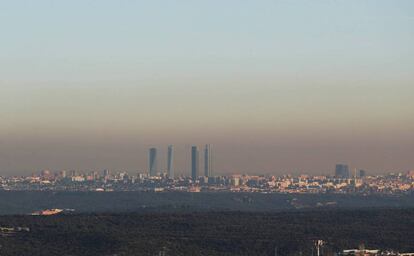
(151,158)
(275,86)
(155,169)
(340,181)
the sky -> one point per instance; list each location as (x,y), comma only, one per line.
(275,86)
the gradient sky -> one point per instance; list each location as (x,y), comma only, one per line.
(275,86)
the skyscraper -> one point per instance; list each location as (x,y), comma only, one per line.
(152,161)
(208,161)
(194,162)
(342,171)
(170,162)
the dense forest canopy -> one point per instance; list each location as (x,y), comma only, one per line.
(209,233)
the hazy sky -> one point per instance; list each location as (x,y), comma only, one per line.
(275,86)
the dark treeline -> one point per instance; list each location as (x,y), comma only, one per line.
(209,233)
(24,202)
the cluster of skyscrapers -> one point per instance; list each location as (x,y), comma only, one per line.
(342,171)
(195,162)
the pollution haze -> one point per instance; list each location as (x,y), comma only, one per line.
(275,86)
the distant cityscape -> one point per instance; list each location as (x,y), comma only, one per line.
(342,180)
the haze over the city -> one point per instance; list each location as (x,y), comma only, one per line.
(275,86)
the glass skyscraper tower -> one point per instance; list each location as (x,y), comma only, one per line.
(170,162)
(152,162)
(194,162)
(208,161)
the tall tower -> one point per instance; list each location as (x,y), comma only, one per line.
(208,161)
(194,162)
(152,161)
(170,162)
